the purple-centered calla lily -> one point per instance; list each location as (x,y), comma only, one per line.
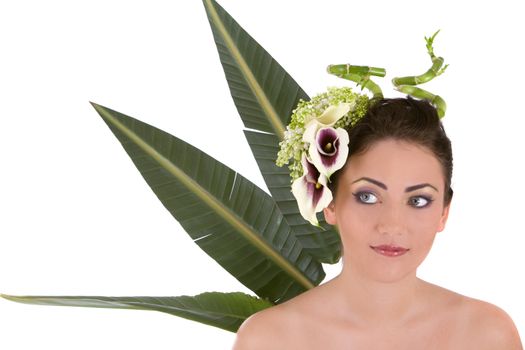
(311,192)
(328,148)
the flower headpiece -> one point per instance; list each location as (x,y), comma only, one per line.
(316,140)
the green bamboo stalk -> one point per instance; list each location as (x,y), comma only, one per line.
(360,75)
(339,69)
(417,92)
(430,74)
(434,71)
(407,84)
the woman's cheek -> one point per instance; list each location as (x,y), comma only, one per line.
(358,220)
(424,229)
(426,221)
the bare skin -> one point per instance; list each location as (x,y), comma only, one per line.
(377,301)
(447,321)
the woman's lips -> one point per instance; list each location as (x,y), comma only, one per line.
(389,250)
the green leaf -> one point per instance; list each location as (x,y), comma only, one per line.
(231,219)
(223,310)
(265,96)
(262,90)
(322,243)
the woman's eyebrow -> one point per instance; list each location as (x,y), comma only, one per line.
(383,186)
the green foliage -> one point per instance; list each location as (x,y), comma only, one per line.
(223,310)
(265,96)
(293,146)
(261,240)
(232,220)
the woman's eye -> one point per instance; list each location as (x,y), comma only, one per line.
(419,202)
(365,197)
(370,198)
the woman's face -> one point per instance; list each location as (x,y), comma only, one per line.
(388,209)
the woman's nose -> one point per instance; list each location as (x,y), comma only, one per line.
(391,220)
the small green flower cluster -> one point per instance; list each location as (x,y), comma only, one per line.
(293,147)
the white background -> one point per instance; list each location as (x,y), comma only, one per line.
(77,218)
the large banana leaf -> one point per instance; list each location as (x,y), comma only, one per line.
(261,89)
(265,95)
(222,310)
(230,218)
(323,243)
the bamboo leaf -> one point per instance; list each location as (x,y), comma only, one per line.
(223,310)
(231,219)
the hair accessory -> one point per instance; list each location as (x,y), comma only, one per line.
(315,143)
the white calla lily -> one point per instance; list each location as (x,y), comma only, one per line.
(331,114)
(326,156)
(329,150)
(311,192)
(311,131)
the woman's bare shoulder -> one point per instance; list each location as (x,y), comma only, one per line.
(262,330)
(491,325)
(480,324)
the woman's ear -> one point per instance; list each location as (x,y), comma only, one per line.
(444,217)
(329,213)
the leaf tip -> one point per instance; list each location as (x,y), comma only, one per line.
(95,105)
(99,108)
(9,297)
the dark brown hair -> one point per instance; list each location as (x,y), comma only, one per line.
(406,119)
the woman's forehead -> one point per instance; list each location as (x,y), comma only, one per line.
(396,162)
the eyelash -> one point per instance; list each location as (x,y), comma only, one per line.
(358,195)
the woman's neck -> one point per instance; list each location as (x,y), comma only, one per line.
(367,301)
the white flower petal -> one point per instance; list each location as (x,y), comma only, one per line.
(311,130)
(310,172)
(333,113)
(342,150)
(300,192)
(311,192)
(311,199)
(326,195)
(328,163)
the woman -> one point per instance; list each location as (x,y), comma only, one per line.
(389,200)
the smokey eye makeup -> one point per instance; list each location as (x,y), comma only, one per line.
(368,197)
(420,202)
(365,197)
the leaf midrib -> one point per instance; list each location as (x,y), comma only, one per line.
(258,92)
(114,304)
(210,200)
